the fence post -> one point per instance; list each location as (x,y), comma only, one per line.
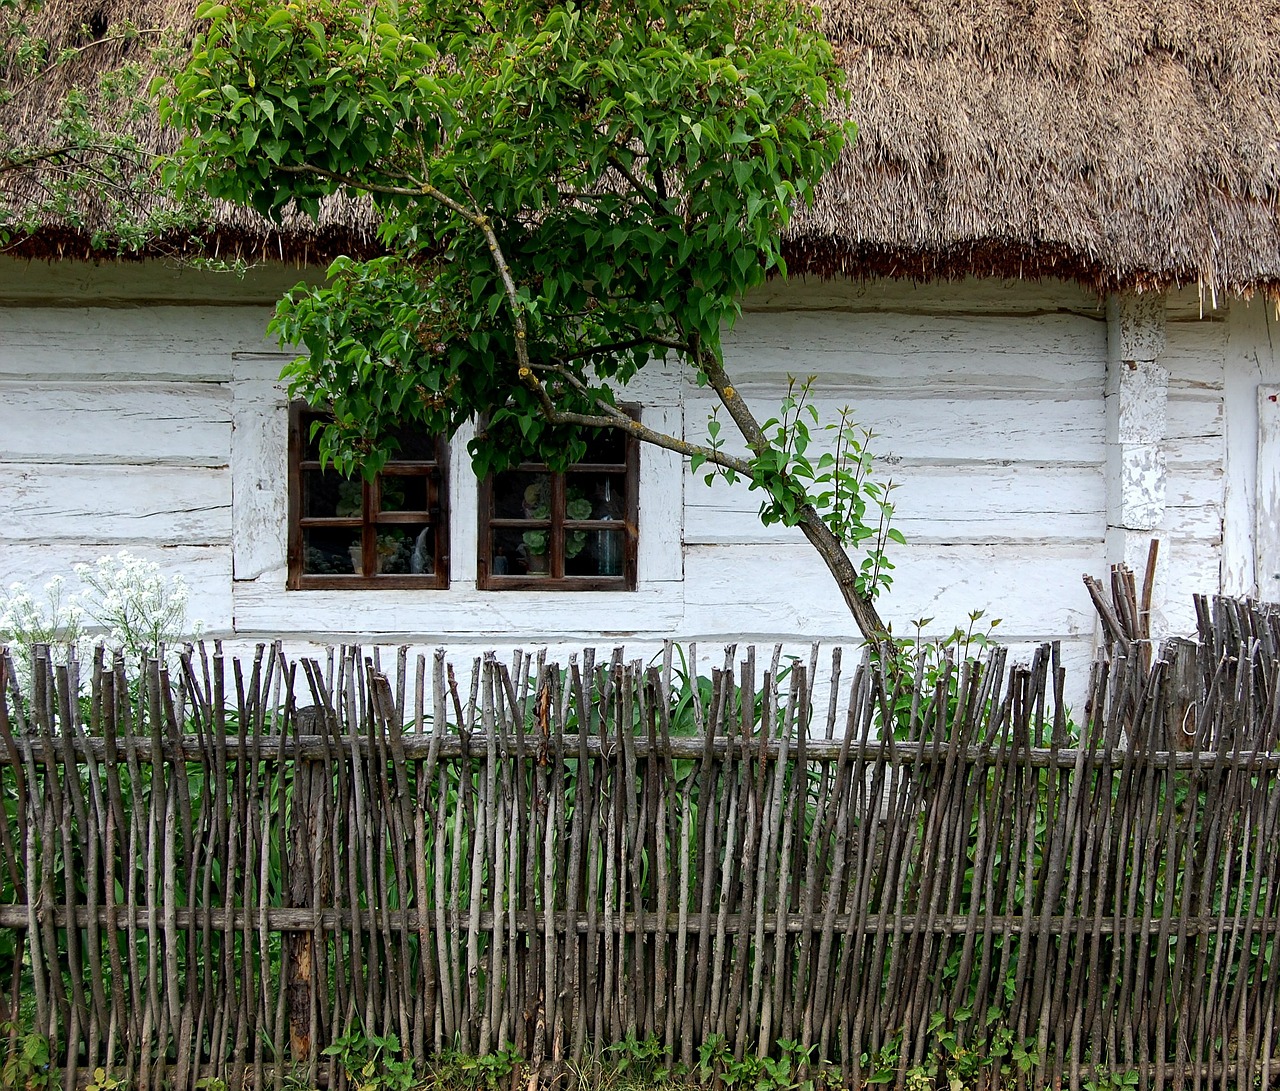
(306,888)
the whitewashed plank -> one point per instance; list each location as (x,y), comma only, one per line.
(942,504)
(259,477)
(1186,567)
(1194,507)
(104,282)
(263,606)
(986,295)
(110,343)
(207,570)
(1051,352)
(1194,353)
(659,556)
(1253,336)
(754,592)
(121,505)
(1196,432)
(175,424)
(938,427)
(1268,503)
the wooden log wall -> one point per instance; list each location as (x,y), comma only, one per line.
(216,870)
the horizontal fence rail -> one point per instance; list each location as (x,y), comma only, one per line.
(216,870)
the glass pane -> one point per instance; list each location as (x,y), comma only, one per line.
(331,551)
(609,446)
(415,445)
(406,550)
(520,552)
(404,492)
(595,496)
(328,495)
(599,554)
(521,494)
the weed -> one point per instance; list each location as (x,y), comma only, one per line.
(1107,1079)
(26,1060)
(486,1071)
(637,1059)
(373,1063)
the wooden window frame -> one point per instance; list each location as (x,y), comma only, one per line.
(367,522)
(486,580)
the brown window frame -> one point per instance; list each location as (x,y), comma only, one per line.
(369,520)
(486,580)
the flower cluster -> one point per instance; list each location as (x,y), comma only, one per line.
(139,607)
(124,602)
(56,617)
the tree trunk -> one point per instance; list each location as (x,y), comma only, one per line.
(820,536)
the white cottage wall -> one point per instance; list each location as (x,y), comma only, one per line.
(1191,533)
(987,401)
(1252,361)
(139,409)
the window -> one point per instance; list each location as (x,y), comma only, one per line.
(391,532)
(572,531)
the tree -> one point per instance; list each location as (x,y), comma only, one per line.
(566,194)
(74,127)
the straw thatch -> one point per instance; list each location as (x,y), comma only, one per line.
(1133,142)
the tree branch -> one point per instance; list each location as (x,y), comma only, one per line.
(651,198)
(811,524)
(623,346)
(645,434)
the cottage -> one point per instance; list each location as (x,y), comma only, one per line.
(1043,275)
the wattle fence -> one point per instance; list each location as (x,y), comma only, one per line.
(926,869)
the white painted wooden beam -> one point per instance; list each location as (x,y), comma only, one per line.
(1267,535)
(1137,397)
(1252,360)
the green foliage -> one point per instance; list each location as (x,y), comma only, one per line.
(789,1068)
(466,1070)
(1108,1079)
(566,193)
(634,168)
(640,1060)
(927,673)
(103,1080)
(373,1063)
(26,1060)
(837,480)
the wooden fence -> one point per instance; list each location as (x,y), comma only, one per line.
(214,874)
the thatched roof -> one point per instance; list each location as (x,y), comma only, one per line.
(1133,142)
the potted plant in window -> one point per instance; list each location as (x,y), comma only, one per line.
(536,543)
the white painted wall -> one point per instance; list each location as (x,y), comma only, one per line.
(139,409)
(1252,360)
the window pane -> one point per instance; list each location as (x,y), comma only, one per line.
(520,552)
(595,496)
(331,551)
(404,492)
(600,553)
(609,446)
(521,494)
(329,495)
(414,446)
(406,550)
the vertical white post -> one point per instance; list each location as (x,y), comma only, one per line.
(1267,515)
(1137,395)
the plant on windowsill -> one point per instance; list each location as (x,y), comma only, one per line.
(537,505)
